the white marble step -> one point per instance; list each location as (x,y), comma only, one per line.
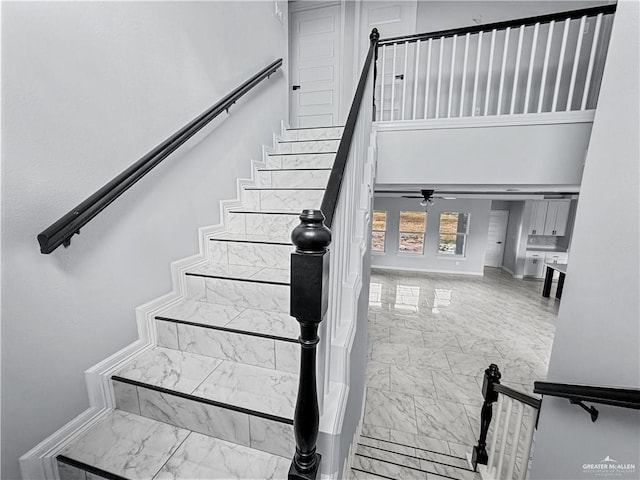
(293,178)
(282,199)
(252,253)
(246,222)
(251,336)
(129,446)
(240,286)
(307,146)
(295,160)
(315,133)
(239,403)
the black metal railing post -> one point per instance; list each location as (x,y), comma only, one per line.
(309,301)
(374,37)
(491,378)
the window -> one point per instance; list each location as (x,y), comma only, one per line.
(454,228)
(412,227)
(379,230)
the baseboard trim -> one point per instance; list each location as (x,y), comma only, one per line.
(508,270)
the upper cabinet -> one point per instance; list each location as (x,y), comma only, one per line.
(549,217)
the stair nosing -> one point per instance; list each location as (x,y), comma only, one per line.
(263,212)
(195,398)
(251,280)
(419,458)
(313,128)
(407,466)
(226,329)
(214,239)
(89,468)
(411,446)
(301,153)
(311,140)
(294,169)
(285,188)
(373,473)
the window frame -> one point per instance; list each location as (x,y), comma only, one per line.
(423,233)
(464,235)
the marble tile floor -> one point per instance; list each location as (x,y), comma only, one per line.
(430,338)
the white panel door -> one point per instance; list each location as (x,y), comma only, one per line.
(496,238)
(315,63)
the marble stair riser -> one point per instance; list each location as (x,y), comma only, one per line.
(307,146)
(242,294)
(312,160)
(234,426)
(273,224)
(281,200)
(253,254)
(313,133)
(293,178)
(224,345)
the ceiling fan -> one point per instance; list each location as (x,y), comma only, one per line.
(428,197)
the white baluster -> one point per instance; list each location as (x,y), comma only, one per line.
(505,434)
(563,49)
(503,69)
(489,71)
(534,46)
(526,452)
(426,83)
(475,77)
(384,55)
(393,81)
(464,73)
(576,58)
(496,430)
(453,68)
(545,65)
(404,79)
(515,441)
(517,71)
(592,56)
(439,77)
(415,79)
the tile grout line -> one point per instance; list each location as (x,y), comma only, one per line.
(174,452)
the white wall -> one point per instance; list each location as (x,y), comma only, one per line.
(430,261)
(597,339)
(488,155)
(88,88)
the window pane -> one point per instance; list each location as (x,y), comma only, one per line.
(451,244)
(412,221)
(453,222)
(463,223)
(411,242)
(379,220)
(377,241)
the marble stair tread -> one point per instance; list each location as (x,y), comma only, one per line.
(257,389)
(240,319)
(168,369)
(126,445)
(415,452)
(277,276)
(203,457)
(430,467)
(253,238)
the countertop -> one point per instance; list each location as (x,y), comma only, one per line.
(536,248)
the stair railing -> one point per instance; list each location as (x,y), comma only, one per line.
(513,429)
(539,64)
(318,279)
(61,231)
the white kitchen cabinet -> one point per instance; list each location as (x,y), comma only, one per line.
(538,217)
(534,264)
(549,217)
(556,257)
(557,216)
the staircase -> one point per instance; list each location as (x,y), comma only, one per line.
(214,396)
(383,459)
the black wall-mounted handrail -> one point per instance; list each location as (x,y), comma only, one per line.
(61,231)
(519,396)
(332,193)
(589,12)
(618,397)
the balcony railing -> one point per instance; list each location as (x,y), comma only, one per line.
(549,63)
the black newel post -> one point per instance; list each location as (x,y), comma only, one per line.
(491,377)
(374,37)
(309,299)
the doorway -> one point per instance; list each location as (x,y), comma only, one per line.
(496,238)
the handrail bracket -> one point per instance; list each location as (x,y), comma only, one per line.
(593,411)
